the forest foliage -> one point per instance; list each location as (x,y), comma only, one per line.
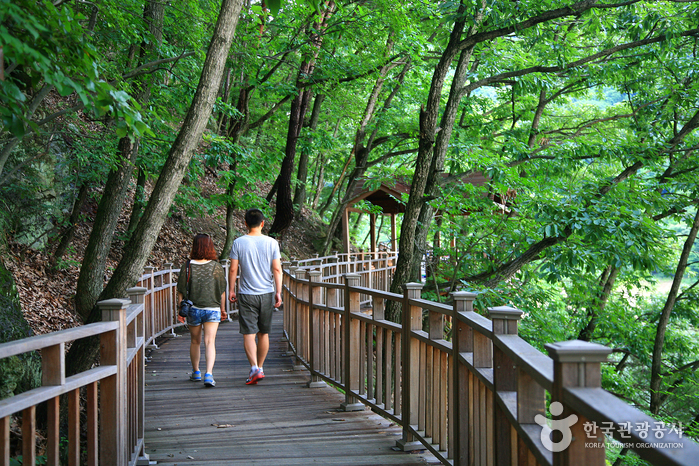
(582,116)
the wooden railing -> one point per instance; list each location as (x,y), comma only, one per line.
(114,390)
(465,387)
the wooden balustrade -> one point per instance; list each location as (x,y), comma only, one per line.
(463,386)
(113,390)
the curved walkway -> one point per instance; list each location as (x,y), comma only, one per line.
(277,422)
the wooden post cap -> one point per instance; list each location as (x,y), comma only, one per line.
(577,351)
(137,294)
(136,290)
(113,304)
(352,277)
(413,286)
(505,313)
(315,274)
(464,295)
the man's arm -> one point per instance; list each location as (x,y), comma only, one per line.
(277,272)
(232,277)
(224,316)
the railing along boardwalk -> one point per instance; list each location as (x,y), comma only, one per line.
(462,386)
(114,391)
(465,387)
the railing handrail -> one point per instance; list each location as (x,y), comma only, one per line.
(37,342)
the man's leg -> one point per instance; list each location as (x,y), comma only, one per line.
(251,349)
(262,348)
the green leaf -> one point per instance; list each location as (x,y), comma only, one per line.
(274,6)
(17,127)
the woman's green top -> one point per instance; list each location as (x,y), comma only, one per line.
(208,283)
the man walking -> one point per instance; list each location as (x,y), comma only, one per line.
(260,289)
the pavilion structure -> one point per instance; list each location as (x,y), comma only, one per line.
(388,196)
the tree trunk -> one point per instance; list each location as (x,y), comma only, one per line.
(657,364)
(428,129)
(285,206)
(319,183)
(68,235)
(83,352)
(440,154)
(230,214)
(91,278)
(302,175)
(139,202)
(363,145)
(599,302)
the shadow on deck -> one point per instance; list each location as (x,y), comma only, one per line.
(277,422)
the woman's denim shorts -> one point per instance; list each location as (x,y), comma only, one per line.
(199,316)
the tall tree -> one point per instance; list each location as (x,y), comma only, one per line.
(657,364)
(83,352)
(91,281)
(299,105)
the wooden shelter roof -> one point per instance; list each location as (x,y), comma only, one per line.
(388,194)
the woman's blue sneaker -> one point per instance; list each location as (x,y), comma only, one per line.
(209,380)
(196,376)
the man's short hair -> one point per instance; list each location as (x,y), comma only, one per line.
(254,217)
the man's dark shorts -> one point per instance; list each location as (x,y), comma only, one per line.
(255,313)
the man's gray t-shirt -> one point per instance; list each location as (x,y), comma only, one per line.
(255,255)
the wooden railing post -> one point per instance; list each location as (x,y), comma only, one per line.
(301,320)
(226,264)
(290,306)
(113,388)
(285,308)
(150,316)
(317,331)
(411,320)
(482,401)
(170,301)
(331,298)
(136,296)
(575,364)
(462,343)
(505,320)
(53,370)
(350,331)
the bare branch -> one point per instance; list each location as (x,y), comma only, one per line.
(145,68)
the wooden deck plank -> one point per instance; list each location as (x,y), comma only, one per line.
(279,421)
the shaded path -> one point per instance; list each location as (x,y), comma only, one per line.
(277,422)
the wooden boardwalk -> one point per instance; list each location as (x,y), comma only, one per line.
(277,422)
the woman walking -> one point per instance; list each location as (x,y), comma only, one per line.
(203,281)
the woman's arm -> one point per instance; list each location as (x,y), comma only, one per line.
(180,297)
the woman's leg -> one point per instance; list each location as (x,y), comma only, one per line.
(210,329)
(195,346)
